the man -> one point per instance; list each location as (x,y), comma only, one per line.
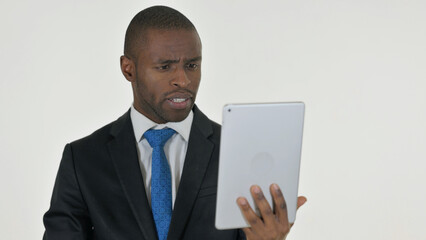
(118,184)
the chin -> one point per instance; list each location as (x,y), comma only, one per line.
(178,117)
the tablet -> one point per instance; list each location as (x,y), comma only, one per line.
(260,144)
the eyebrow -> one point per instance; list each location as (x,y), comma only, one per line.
(195,59)
(169,61)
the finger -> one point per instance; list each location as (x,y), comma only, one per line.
(300,201)
(250,216)
(263,205)
(279,204)
(249,233)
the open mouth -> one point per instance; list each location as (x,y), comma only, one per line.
(178,100)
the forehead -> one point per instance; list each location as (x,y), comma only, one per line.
(174,44)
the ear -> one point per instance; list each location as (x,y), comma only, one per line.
(127,68)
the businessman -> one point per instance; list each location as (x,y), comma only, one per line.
(152,173)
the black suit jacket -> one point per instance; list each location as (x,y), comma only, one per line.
(99,191)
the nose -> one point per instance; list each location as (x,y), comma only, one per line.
(181,79)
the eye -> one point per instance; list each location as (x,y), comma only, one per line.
(163,67)
(192,66)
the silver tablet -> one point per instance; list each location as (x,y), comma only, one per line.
(260,144)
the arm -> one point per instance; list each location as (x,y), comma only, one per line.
(272,225)
(68,216)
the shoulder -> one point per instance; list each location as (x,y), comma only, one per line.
(206,126)
(104,134)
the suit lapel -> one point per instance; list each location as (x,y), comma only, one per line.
(124,154)
(197,159)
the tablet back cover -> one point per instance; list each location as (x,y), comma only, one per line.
(260,144)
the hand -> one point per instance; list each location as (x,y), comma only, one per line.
(271,225)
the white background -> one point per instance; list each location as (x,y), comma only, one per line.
(359,65)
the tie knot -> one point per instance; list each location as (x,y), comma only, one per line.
(157,138)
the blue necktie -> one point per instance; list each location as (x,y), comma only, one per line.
(161,184)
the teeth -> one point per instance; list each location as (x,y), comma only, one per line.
(178,100)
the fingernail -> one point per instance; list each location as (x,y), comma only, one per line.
(277,189)
(256,189)
(275,186)
(242,202)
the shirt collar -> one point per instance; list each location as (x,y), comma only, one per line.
(141,124)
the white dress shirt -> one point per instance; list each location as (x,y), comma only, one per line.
(175,148)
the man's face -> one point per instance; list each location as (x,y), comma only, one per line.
(167,73)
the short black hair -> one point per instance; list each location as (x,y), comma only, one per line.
(156,17)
